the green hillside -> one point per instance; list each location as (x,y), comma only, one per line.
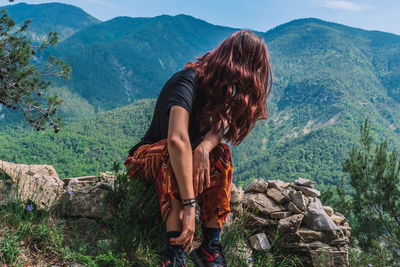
(82,148)
(328,78)
(119,61)
(52,17)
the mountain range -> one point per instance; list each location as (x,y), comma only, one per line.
(328,78)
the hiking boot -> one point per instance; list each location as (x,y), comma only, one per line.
(173,258)
(210,254)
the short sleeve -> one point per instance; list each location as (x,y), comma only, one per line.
(182,94)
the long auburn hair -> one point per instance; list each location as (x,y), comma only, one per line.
(234,81)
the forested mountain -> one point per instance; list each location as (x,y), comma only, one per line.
(327,78)
(52,17)
(125,59)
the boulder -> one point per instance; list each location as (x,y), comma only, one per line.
(280,214)
(237,197)
(293,208)
(337,219)
(257,186)
(309,235)
(307,190)
(276,195)
(316,218)
(291,223)
(87,202)
(299,200)
(328,210)
(315,201)
(304,182)
(260,203)
(259,242)
(243,253)
(277,184)
(37,183)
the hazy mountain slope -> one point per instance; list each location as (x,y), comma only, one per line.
(328,78)
(326,84)
(135,61)
(62,18)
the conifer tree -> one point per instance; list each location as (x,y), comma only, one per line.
(374,175)
(22,87)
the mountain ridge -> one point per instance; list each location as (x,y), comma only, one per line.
(328,78)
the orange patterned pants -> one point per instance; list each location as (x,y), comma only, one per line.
(151,161)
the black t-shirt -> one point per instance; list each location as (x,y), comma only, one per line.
(181,90)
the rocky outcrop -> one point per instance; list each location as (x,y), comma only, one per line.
(305,227)
(86,202)
(84,197)
(313,232)
(36,183)
(78,197)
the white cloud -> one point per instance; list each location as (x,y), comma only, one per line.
(345,5)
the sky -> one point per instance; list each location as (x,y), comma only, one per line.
(259,15)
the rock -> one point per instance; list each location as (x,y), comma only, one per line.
(243,253)
(280,214)
(237,197)
(77,183)
(256,220)
(257,186)
(286,192)
(277,184)
(304,182)
(259,242)
(285,185)
(276,195)
(315,200)
(337,219)
(341,215)
(299,200)
(316,218)
(291,223)
(260,203)
(37,183)
(237,194)
(293,208)
(86,202)
(328,210)
(309,235)
(306,190)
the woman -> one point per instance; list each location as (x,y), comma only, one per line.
(219,97)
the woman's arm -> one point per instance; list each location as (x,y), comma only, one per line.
(201,159)
(180,150)
(180,154)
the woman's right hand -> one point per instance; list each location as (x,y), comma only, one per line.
(188,228)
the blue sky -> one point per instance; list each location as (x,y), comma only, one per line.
(260,15)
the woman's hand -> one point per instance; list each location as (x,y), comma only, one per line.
(188,228)
(201,169)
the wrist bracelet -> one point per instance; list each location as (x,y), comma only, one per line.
(192,203)
(189,199)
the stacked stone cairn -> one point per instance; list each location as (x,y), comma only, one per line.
(315,233)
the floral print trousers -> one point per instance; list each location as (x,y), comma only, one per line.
(151,161)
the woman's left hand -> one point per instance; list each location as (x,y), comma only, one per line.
(201,169)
